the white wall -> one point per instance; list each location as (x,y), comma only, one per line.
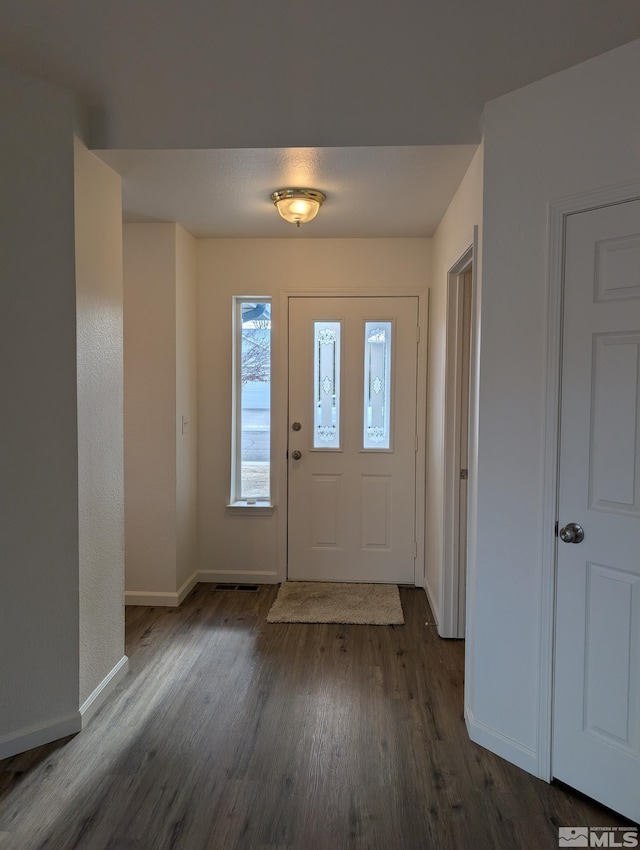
(575,131)
(39,622)
(159,388)
(453,237)
(244,546)
(98,232)
(186,406)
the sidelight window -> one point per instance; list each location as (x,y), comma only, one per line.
(251,461)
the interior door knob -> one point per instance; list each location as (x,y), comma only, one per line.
(296,455)
(572,533)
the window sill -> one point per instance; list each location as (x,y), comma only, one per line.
(244,508)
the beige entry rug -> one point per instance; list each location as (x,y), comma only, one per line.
(337,602)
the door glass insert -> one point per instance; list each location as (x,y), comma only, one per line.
(326,391)
(377,384)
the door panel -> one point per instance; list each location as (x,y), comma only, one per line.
(612,657)
(597,669)
(352,389)
(613,467)
(375,511)
(326,508)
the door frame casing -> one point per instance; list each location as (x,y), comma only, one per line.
(448,627)
(558,211)
(280,442)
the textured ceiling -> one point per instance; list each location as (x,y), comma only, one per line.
(237,82)
(370,191)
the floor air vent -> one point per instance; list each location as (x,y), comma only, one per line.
(224,586)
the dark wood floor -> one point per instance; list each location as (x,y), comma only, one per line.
(232,733)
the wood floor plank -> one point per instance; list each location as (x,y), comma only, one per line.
(233,734)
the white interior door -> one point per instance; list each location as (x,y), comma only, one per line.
(596,741)
(463,407)
(352,439)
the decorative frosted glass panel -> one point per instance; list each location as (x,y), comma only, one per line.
(377,384)
(326,385)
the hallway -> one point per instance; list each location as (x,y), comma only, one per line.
(231,734)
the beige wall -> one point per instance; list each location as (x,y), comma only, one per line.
(98,233)
(247,546)
(39,624)
(149,407)
(453,237)
(186,407)
(159,388)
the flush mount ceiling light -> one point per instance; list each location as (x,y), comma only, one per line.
(298,206)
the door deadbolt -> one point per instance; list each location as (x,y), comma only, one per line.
(296,455)
(572,533)
(296,426)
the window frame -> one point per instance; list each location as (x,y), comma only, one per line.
(238,500)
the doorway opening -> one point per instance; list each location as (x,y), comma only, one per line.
(456,446)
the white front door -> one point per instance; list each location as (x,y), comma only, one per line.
(352,439)
(596,740)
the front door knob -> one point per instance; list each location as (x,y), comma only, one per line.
(572,533)
(296,455)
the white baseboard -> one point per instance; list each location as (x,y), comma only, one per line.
(170,599)
(106,686)
(42,733)
(157,598)
(162,598)
(187,587)
(434,610)
(239,577)
(500,744)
